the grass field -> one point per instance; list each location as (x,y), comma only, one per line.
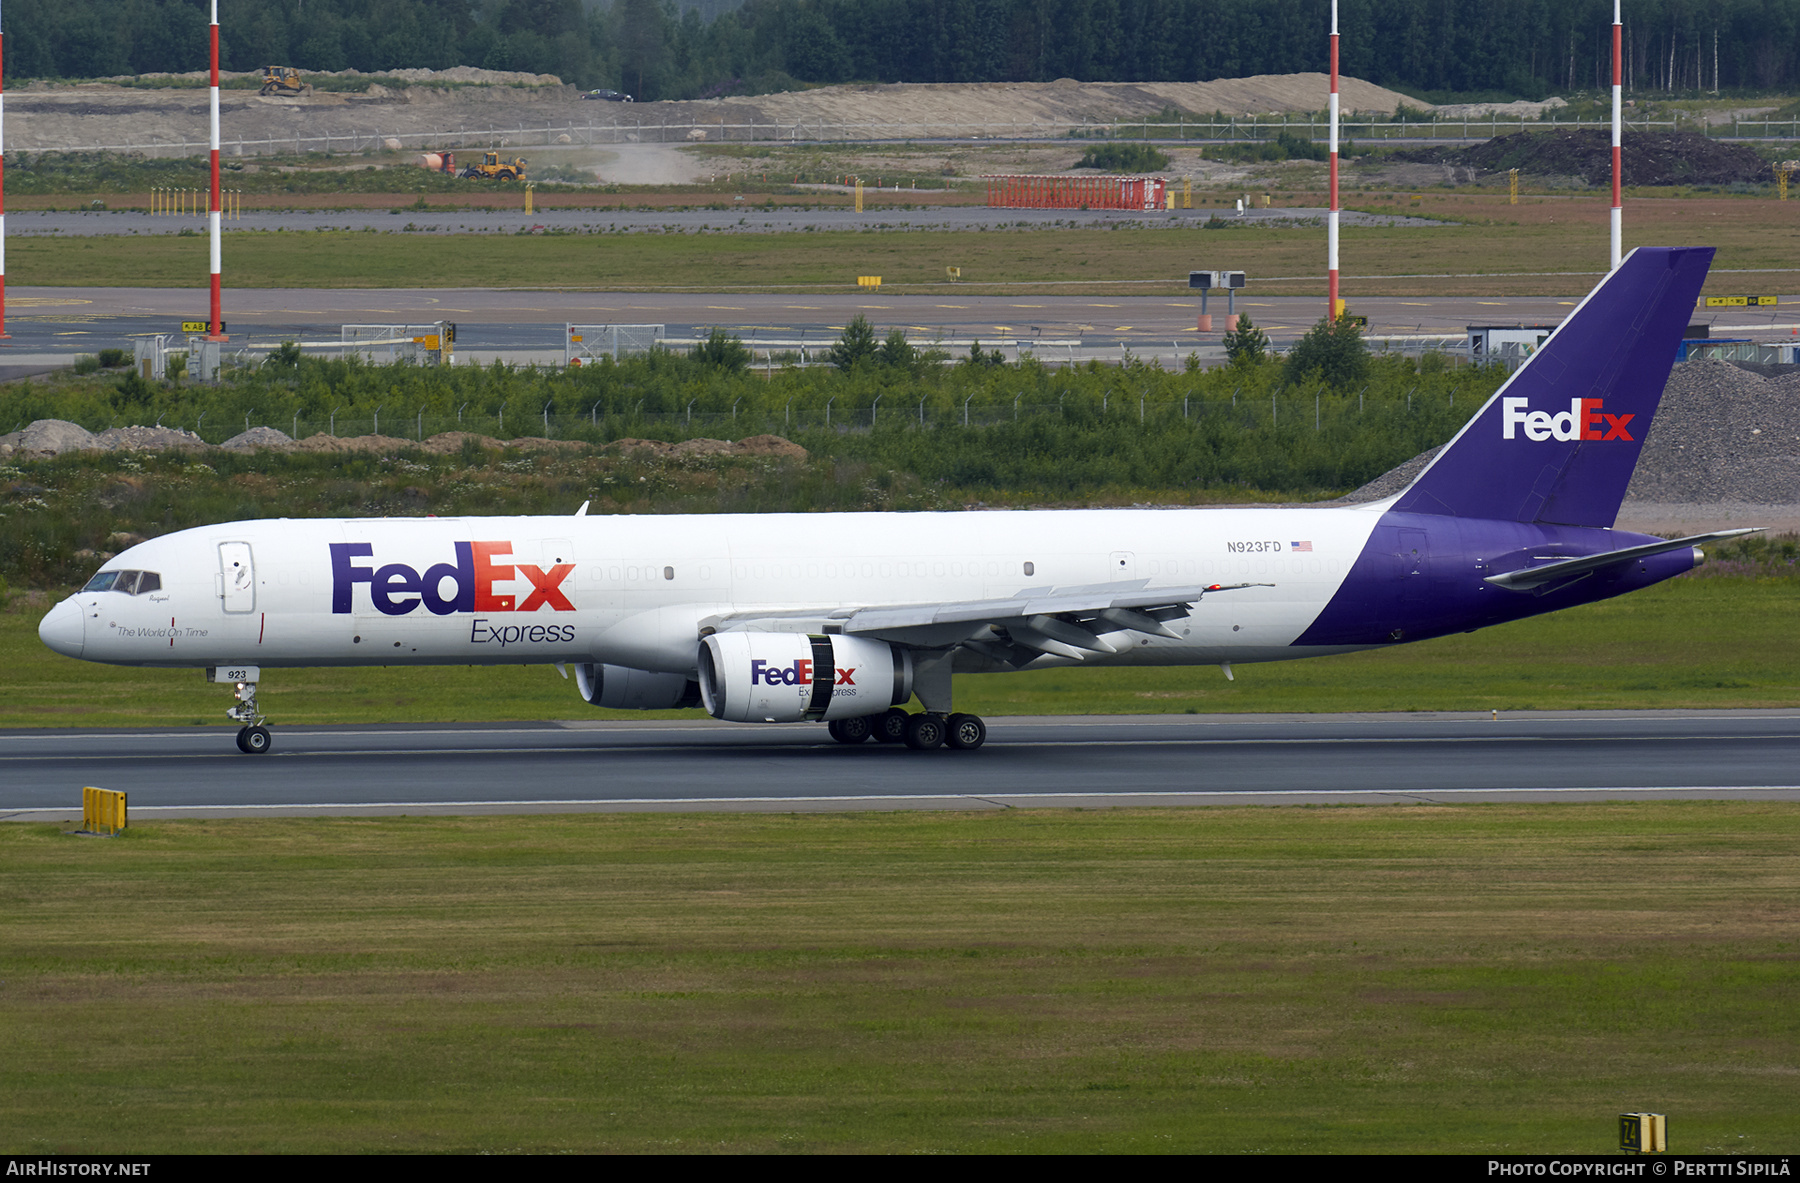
(1492,248)
(1494,979)
(1691,642)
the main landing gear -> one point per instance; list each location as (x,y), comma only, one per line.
(921,731)
(253,739)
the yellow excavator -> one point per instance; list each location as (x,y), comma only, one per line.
(284,80)
(493,168)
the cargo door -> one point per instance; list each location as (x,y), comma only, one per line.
(236,582)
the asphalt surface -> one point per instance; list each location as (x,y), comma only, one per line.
(50,325)
(1084,761)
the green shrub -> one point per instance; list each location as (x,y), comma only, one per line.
(1125,158)
(87,363)
(723,351)
(856,344)
(1332,351)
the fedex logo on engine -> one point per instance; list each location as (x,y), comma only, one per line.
(798,674)
(397,589)
(1584,420)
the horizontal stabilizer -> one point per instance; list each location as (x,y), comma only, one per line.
(1532,578)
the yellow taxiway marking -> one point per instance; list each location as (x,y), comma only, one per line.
(1411,304)
(1102,305)
(1123,329)
(43,301)
(950,306)
(1003,328)
(1025,305)
(1491,303)
(723,308)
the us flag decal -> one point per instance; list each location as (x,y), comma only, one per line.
(1299,546)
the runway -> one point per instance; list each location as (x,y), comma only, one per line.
(49,325)
(1073,761)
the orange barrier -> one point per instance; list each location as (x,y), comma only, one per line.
(1035,192)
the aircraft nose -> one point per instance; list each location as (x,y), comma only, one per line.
(64,628)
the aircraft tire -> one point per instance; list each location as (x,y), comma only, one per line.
(851,731)
(242,746)
(254,740)
(890,725)
(925,731)
(965,733)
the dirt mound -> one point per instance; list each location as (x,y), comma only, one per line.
(445,442)
(770,445)
(352,443)
(756,445)
(519,110)
(258,437)
(1647,158)
(537,443)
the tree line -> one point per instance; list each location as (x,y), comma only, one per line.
(1526,48)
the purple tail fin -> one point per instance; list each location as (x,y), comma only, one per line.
(1558,443)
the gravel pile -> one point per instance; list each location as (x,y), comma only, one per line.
(1724,433)
(258,437)
(53,437)
(1646,158)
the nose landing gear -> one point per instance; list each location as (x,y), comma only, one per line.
(253,739)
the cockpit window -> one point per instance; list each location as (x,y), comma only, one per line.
(132,583)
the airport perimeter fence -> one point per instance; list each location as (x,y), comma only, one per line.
(1435,404)
(551,134)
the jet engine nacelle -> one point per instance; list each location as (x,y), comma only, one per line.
(622,688)
(795,677)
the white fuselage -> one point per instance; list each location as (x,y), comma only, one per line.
(637,591)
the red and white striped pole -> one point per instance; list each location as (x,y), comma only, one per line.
(1618,210)
(1331,233)
(213,206)
(3,332)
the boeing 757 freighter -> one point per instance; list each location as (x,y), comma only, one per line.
(844,618)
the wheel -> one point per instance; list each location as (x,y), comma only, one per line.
(890,725)
(254,740)
(966,732)
(851,730)
(242,746)
(925,731)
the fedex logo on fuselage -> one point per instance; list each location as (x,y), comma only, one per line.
(397,588)
(1584,420)
(798,674)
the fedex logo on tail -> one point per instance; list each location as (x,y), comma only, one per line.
(798,674)
(1584,420)
(397,588)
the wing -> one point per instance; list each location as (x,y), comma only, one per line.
(1070,622)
